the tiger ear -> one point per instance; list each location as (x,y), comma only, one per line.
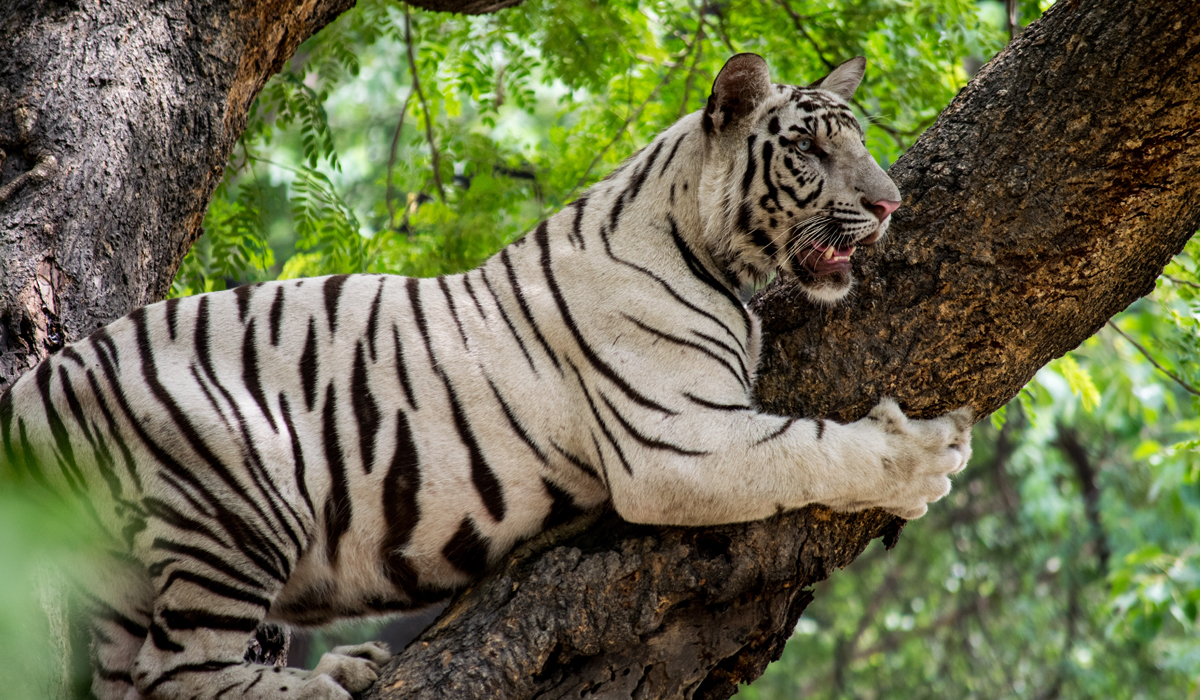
(740,87)
(843,80)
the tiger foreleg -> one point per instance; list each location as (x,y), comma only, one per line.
(756,465)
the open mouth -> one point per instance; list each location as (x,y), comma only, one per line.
(822,259)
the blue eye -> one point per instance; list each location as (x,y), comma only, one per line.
(804,143)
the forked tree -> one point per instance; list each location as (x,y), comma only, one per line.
(1047,197)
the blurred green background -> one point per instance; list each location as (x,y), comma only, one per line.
(1065,563)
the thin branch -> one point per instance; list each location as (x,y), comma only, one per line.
(1146,354)
(1176,280)
(412,66)
(391,199)
(691,76)
(896,134)
(636,114)
(799,24)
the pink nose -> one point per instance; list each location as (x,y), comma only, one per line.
(881,209)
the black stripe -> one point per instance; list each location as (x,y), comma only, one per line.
(587,395)
(768,150)
(204,667)
(308,365)
(467,550)
(739,357)
(214,586)
(338,508)
(635,187)
(207,557)
(401,510)
(701,273)
(671,155)
(250,374)
(297,453)
(373,319)
(113,431)
(333,289)
(516,289)
(507,321)
(276,318)
(75,479)
(576,461)
(715,406)
(741,379)
(441,280)
(820,427)
(70,354)
(562,506)
(780,431)
(243,294)
(471,292)
(576,234)
(159,636)
(168,514)
(172,315)
(103,611)
(204,619)
(366,410)
(646,439)
(402,369)
(751,164)
(485,481)
(541,237)
(516,425)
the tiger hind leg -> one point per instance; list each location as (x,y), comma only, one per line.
(204,615)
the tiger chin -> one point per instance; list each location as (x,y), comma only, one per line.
(311,450)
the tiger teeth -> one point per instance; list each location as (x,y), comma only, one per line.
(828,253)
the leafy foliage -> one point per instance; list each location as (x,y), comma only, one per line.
(1064,564)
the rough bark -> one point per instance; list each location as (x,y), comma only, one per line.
(1048,196)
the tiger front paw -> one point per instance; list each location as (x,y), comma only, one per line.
(921,456)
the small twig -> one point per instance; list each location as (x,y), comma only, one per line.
(391,199)
(691,76)
(1176,280)
(799,24)
(1146,353)
(637,113)
(412,66)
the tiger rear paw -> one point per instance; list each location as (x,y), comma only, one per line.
(353,667)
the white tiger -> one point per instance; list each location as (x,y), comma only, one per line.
(310,450)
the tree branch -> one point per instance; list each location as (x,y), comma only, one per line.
(1146,353)
(416,78)
(391,206)
(637,113)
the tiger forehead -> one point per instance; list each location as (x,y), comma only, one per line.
(818,112)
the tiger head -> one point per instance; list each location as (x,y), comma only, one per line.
(788,183)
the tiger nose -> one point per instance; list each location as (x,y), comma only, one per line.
(881,209)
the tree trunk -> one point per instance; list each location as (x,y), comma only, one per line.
(1049,196)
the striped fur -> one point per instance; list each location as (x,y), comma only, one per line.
(310,450)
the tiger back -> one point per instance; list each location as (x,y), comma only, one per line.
(312,450)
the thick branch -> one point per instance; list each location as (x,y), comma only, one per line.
(1048,196)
